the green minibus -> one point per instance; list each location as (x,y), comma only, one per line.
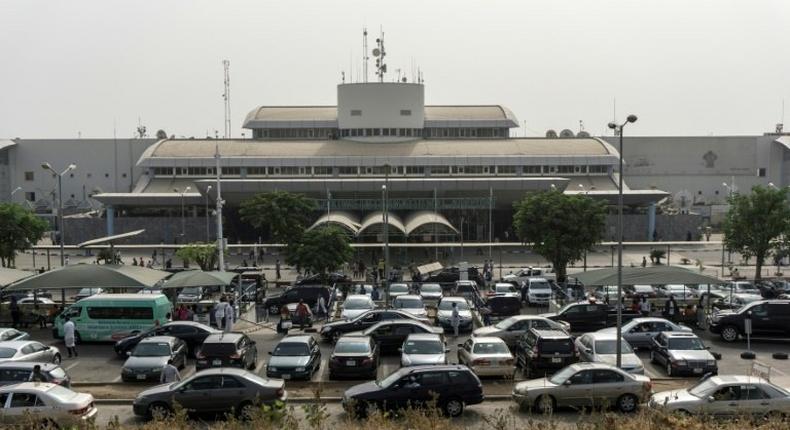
(109,317)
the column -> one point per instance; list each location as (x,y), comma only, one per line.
(651,221)
(110,213)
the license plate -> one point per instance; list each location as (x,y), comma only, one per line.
(286,376)
(217,362)
(141,377)
(556,360)
(697,370)
(351,363)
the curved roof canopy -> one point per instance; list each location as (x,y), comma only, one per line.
(199,278)
(343,219)
(424,218)
(9,276)
(93,276)
(377,219)
(655,275)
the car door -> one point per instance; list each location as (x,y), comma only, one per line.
(642,334)
(464,352)
(22,402)
(180,352)
(315,354)
(780,317)
(43,353)
(577,390)
(383,336)
(754,400)
(725,401)
(659,349)
(201,394)
(233,392)
(431,385)
(763,322)
(608,387)
(512,333)
(400,332)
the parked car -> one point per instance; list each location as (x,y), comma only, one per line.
(450,275)
(503,305)
(227,350)
(190,295)
(87,292)
(734,301)
(192,333)
(774,288)
(294,357)
(743,287)
(333,330)
(678,291)
(467,290)
(390,335)
(420,349)
(640,332)
(398,289)
(324,279)
(632,291)
(512,328)
(769,318)
(529,272)
(222,390)
(431,292)
(354,357)
(30,300)
(15,372)
(12,334)
(355,305)
(487,356)
(539,352)
(589,316)
(309,293)
(682,353)
(151,355)
(601,347)
(726,396)
(606,293)
(502,288)
(410,303)
(6,295)
(538,291)
(452,387)
(583,385)
(28,350)
(444,313)
(363,289)
(52,404)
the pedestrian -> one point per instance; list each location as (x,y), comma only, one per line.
(69,338)
(219,312)
(569,293)
(67,260)
(251,255)
(134,261)
(644,306)
(277,270)
(169,373)
(40,316)
(192,313)
(455,319)
(302,313)
(41,270)
(153,255)
(644,261)
(671,309)
(14,306)
(321,306)
(169,263)
(381,268)
(150,264)
(375,295)
(230,316)
(485,311)
(524,290)
(36,375)
(285,320)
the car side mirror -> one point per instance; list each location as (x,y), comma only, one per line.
(711,399)
(270,353)
(128,353)
(567,382)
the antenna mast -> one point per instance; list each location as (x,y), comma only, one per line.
(381,67)
(226,97)
(365,54)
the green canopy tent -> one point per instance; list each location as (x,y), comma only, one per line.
(655,275)
(9,276)
(199,278)
(92,276)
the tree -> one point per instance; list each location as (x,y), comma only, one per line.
(757,224)
(204,254)
(656,255)
(560,227)
(285,215)
(321,250)
(19,230)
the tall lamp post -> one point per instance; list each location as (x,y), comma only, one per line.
(62,239)
(183,219)
(208,229)
(619,128)
(15,191)
(385,218)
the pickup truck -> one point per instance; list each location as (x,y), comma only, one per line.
(590,316)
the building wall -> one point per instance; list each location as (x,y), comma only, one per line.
(380,105)
(157,229)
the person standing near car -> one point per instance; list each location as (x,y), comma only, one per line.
(36,375)
(230,316)
(455,319)
(14,306)
(285,320)
(644,306)
(69,337)
(220,311)
(302,313)
(169,373)
(671,309)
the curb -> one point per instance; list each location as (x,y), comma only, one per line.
(289,400)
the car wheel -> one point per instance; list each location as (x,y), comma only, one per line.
(159,410)
(775,416)
(627,403)
(669,369)
(246,411)
(57,359)
(545,404)
(729,333)
(453,407)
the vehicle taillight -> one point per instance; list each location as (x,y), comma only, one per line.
(481,362)
(235,356)
(367,361)
(82,410)
(508,362)
(200,354)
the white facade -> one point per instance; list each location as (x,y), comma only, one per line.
(381,105)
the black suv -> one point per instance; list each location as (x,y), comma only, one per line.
(452,386)
(308,293)
(769,318)
(227,350)
(539,352)
(193,333)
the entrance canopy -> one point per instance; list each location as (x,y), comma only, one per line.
(199,278)
(343,219)
(92,276)
(111,239)
(656,275)
(9,276)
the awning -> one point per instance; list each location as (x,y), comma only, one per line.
(377,218)
(199,278)
(655,275)
(423,218)
(110,239)
(9,276)
(92,276)
(343,219)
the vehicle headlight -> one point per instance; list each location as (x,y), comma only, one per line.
(300,369)
(711,362)
(273,369)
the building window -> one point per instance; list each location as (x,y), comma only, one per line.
(476,170)
(532,170)
(761,172)
(415,170)
(506,170)
(347,170)
(231,171)
(344,132)
(440,170)
(377,131)
(29,176)
(30,196)
(597,169)
(386,132)
(356,112)
(565,169)
(405,112)
(322,171)
(256,171)
(354,132)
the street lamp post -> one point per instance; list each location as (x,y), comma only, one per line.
(183,218)
(208,229)
(15,191)
(62,239)
(385,217)
(619,128)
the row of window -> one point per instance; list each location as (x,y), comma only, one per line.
(31,176)
(382,170)
(294,133)
(358,112)
(429,132)
(375,132)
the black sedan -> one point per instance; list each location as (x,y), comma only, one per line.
(354,357)
(390,335)
(295,357)
(192,333)
(332,331)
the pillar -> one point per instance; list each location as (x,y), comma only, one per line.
(110,213)
(651,221)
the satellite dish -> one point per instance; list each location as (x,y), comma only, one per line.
(551,134)
(566,133)
(376,52)
(582,134)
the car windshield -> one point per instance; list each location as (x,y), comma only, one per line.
(610,347)
(353,347)
(490,348)
(504,324)
(685,344)
(505,289)
(423,347)
(191,291)
(357,303)
(7,352)
(389,380)
(562,375)
(410,303)
(431,288)
(539,286)
(291,349)
(703,388)
(399,288)
(447,305)
(151,350)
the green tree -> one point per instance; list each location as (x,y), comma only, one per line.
(560,227)
(204,254)
(757,224)
(321,250)
(19,230)
(285,215)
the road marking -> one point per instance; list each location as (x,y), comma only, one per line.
(259,367)
(118,379)
(319,376)
(71,366)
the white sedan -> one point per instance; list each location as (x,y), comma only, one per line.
(487,356)
(28,350)
(56,405)
(410,303)
(726,396)
(356,305)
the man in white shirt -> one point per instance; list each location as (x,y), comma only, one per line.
(219,313)
(69,337)
(169,373)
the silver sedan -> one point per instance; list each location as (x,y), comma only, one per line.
(639,332)
(28,350)
(421,349)
(487,356)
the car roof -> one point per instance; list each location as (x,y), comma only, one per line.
(351,337)
(454,299)
(223,337)
(585,365)
(399,284)
(159,339)
(33,386)
(650,319)
(17,343)
(297,338)
(601,336)
(537,279)
(189,323)
(27,365)
(424,336)
(503,284)
(678,334)
(358,297)
(436,367)
(551,333)
(527,317)
(737,379)
(408,296)
(223,370)
(487,339)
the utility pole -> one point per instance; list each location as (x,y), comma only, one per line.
(220,239)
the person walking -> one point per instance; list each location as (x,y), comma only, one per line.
(671,309)
(277,270)
(381,268)
(321,307)
(14,306)
(169,373)
(455,319)
(569,294)
(230,316)
(36,375)
(219,313)
(69,337)
(302,314)
(644,306)
(524,291)
(644,261)
(285,320)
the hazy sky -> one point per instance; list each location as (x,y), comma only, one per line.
(683,66)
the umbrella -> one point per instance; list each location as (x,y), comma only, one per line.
(199,278)
(645,276)
(9,276)
(92,276)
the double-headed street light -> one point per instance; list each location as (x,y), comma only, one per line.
(62,236)
(619,129)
